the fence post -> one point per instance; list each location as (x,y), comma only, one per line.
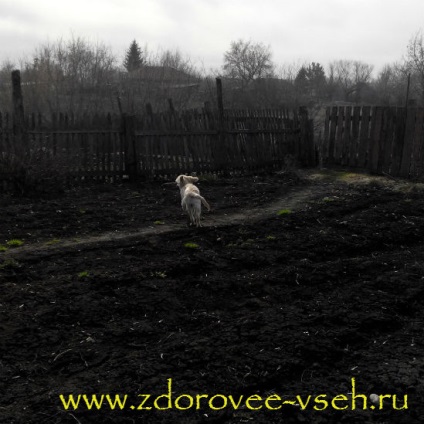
(220,151)
(171,106)
(407,90)
(130,147)
(219,98)
(19,131)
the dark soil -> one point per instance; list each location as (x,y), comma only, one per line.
(104,297)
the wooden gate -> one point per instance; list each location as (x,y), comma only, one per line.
(378,139)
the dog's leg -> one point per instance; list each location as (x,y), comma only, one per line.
(184,206)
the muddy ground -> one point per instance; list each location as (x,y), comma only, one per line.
(296,284)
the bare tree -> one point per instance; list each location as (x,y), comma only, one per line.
(414,63)
(288,71)
(175,59)
(390,85)
(247,61)
(73,75)
(165,74)
(351,77)
(6,69)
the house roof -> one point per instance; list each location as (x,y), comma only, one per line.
(163,73)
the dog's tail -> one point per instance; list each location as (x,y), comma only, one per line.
(193,209)
(204,202)
(201,198)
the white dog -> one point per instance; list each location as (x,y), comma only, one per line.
(191,200)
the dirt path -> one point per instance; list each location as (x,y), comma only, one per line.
(293,201)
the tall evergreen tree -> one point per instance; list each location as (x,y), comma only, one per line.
(301,84)
(316,74)
(133,58)
(302,79)
(310,81)
(317,81)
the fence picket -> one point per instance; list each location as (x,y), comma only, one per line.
(354,139)
(364,137)
(375,140)
(389,115)
(417,148)
(332,135)
(407,143)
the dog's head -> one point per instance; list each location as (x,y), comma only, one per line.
(183,180)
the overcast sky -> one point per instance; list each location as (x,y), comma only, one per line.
(374,31)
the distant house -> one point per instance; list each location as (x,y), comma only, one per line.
(164,75)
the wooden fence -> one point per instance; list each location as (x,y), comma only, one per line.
(385,140)
(155,144)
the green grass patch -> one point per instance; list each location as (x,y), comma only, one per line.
(83,274)
(328,199)
(271,238)
(3,248)
(159,274)
(191,245)
(14,243)
(347,176)
(282,212)
(158,222)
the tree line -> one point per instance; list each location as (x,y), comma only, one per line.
(78,76)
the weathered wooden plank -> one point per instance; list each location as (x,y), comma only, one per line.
(121,159)
(162,156)
(408,142)
(108,145)
(2,135)
(176,144)
(389,116)
(339,146)
(354,139)
(417,168)
(346,148)
(157,161)
(397,146)
(325,144)
(202,160)
(375,140)
(157,158)
(332,135)
(364,137)
(115,155)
